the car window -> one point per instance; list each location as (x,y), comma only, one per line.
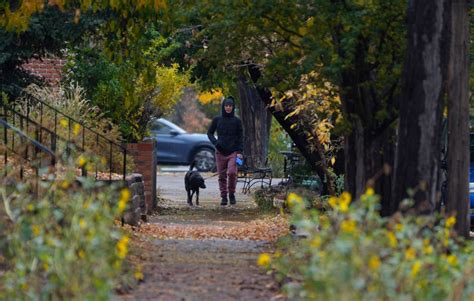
(160,128)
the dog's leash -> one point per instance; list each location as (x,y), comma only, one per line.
(215,174)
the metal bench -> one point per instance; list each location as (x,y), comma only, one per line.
(251,173)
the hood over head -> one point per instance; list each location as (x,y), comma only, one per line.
(228,100)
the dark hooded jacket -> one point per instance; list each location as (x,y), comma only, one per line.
(229,131)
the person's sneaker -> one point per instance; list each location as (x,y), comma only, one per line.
(224,201)
(232,198)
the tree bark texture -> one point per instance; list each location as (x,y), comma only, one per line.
(458,116)
(417,156)
(369,154)
(256,121)
(369,146)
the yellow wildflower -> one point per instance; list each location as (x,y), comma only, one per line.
(452,259)
(124,195)
(427,248)
(64,123)
(415,268)
(138,275)
(36,230)
(450,221)
(65,184)
(410,253)
(121,206)
(370,191)
(348,226)
(316,242)
(30,207)
(294,199)
(346,197)
(399,227)
(264,260)
(45,266)
(122,247)
(374,262)
(76,129)
(344,202)
(446,237)
(333,202)
(81,161)
(344,207)
(82,223)
(81,253)
(392,239)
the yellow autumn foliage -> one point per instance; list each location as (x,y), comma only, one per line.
(17,18)
(210,97)
(316,105)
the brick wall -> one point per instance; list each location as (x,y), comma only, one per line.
(50,69)
(145,163)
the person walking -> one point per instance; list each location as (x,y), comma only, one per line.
(229,145)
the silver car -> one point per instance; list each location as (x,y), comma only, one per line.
(175,146)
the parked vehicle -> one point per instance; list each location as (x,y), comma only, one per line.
(175,146)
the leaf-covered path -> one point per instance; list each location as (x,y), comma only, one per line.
(205,253)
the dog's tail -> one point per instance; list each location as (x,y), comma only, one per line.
(192,165)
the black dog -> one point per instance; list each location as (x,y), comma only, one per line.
(192,182)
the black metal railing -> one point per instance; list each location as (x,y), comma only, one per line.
(59,133)
(32,159)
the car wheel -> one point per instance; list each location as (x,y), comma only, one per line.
(205,159)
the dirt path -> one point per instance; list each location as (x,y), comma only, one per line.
(205,253)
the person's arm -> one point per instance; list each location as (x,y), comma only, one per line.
(240,138)
(212,130)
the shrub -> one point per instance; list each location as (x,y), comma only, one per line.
(62,244)
(264,199)
(353,253)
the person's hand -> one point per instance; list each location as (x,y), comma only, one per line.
(240,156)
(219,147)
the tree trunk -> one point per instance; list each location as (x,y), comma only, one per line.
(256,121)
(458,116)
(417,156)
(368,157)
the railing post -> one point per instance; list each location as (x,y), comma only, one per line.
(53,148)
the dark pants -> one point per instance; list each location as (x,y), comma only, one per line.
(227,169)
